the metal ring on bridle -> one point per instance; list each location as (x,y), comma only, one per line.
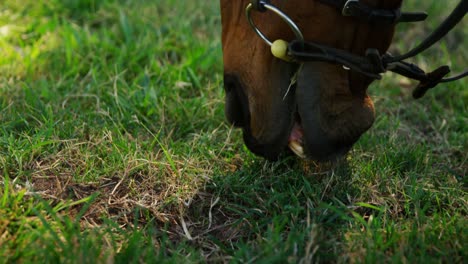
(283,16)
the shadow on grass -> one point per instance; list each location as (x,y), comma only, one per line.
(271,212)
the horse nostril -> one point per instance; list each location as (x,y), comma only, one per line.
(230,83)
(236,107)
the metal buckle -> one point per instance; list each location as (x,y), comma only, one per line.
(278,12)
(348,7)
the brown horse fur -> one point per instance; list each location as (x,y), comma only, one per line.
(330,103)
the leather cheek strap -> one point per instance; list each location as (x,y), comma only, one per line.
(374,15)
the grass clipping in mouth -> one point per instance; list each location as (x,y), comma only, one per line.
(297,148)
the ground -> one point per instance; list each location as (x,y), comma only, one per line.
(114,148)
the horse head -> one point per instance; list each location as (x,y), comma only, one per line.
(325,109)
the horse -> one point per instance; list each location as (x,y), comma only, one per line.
(312,97)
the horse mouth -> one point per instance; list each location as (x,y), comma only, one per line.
(320,148)
(295,140)
(310,122)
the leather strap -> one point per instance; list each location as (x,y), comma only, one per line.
(357,9)
(447,25)
(373,64)
(308,51)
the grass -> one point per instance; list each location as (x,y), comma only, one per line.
(114,148)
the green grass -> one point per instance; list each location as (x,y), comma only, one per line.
(114,148)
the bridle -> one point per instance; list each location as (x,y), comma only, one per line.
(373,64)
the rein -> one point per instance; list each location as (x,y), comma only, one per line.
(373,64)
